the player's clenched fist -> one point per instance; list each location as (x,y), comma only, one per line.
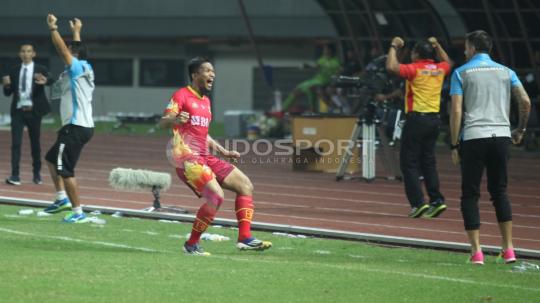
(433,41)
(51,21)
(182,118)
(398,42)
(75,25)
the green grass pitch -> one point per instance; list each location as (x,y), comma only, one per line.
(135,260)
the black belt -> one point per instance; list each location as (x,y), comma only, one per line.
(420,114)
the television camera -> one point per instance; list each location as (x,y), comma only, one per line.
(374,80)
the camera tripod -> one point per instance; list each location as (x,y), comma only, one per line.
(368,124)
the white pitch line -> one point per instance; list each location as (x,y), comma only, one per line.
(387,272)
(64,238)
(407,274)
(432,277)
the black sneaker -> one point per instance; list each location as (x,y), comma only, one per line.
(13,180)
(253,244)
(195,250)
(435,209)
(418,210)
(37,179)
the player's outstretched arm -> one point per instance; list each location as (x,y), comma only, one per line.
(57,40)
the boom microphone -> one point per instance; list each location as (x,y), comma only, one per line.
(139,179)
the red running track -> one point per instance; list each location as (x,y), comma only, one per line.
(283,196)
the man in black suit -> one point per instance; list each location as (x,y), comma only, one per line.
(29,104)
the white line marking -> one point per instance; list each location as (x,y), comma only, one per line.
(285,248)
(176,236)
(382,271)
(63,238)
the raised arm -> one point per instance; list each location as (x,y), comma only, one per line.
(524,104)
(440,52)
(57,40)
(392,63)
(76,26)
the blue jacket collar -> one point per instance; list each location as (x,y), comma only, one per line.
(481,56)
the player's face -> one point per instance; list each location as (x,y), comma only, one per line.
(204,78)
(27,53)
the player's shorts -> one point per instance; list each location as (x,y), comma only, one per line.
(67,149)
(196,174)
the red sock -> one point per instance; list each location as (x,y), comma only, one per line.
(205,216)
(244,215)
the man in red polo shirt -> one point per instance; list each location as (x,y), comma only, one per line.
(189,116)
(424,81)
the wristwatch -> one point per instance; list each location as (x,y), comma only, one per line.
(452,146)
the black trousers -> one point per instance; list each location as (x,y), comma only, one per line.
(491,153)
(417,158)
(19,120)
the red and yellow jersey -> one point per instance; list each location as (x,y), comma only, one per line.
(424,84)
(190,138)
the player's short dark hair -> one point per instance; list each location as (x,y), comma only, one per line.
(424,50)
(481,41)
(194,65)
(79,48)
(27,43)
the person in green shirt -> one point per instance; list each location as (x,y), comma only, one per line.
(328,65)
